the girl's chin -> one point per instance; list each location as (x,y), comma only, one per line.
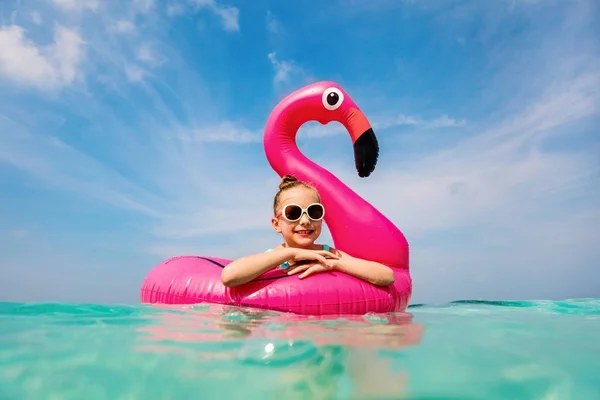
(303,241)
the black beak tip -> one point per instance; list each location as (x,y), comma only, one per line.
(366,153)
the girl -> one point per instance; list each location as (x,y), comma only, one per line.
(298,217)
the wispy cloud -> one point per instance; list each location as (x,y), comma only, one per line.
(382,122)
(77,5)
(500,172)
(274,27)
(47,67)
(225,132)
(122,26)
(285,70)
(36,18)
(229,15)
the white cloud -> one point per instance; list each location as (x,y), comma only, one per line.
(47,67)
(77,5)
(36,18)
(58,165)
(175,9)
(143,6)
(229,132)
(229,15)
(500,171)
(225,132)
(122,26)
(314,130)
(285,71)
(443,122)
(273,25)
(147,54)
(134,73)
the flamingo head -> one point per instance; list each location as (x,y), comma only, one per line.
(327,102)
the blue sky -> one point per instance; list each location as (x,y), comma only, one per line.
(131,133)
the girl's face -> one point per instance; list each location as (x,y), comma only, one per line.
(302,232)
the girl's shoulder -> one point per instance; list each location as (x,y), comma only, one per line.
(274,248)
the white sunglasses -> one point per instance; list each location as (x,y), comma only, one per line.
(293,212)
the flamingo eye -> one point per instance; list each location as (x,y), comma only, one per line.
(332,98)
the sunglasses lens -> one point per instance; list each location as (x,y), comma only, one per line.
(292,212)
(316,211)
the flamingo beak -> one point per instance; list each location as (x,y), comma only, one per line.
(366,147)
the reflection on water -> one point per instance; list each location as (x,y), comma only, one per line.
(218,323)
(302,357)
(63,351)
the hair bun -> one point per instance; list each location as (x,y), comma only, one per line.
(286,181)
(290,182)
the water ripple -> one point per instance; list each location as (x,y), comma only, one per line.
(467,349)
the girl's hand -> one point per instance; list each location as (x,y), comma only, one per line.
(320,256)
(309,268)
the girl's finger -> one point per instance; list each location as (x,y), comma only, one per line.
(299,268)
(329,254)
(305,273)
(324,261)
(314,268)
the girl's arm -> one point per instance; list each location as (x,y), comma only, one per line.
(370,271)
(245,269)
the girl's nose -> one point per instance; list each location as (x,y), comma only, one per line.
(304,218)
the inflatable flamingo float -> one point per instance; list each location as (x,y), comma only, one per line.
(356,226)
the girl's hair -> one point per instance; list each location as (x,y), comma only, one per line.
(289,182)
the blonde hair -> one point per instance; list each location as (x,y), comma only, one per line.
(290,182)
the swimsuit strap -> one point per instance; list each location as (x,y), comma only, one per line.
(284,265)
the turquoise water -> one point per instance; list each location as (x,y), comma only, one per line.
(461,350)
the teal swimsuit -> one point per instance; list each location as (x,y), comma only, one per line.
(286,264)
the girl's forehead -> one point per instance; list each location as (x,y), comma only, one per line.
(299,195)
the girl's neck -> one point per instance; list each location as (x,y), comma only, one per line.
(312,246)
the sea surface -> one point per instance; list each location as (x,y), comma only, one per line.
(460,350)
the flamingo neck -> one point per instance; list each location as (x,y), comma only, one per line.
(285,158)
(355,225)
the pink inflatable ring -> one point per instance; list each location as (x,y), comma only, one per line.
(355,225)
